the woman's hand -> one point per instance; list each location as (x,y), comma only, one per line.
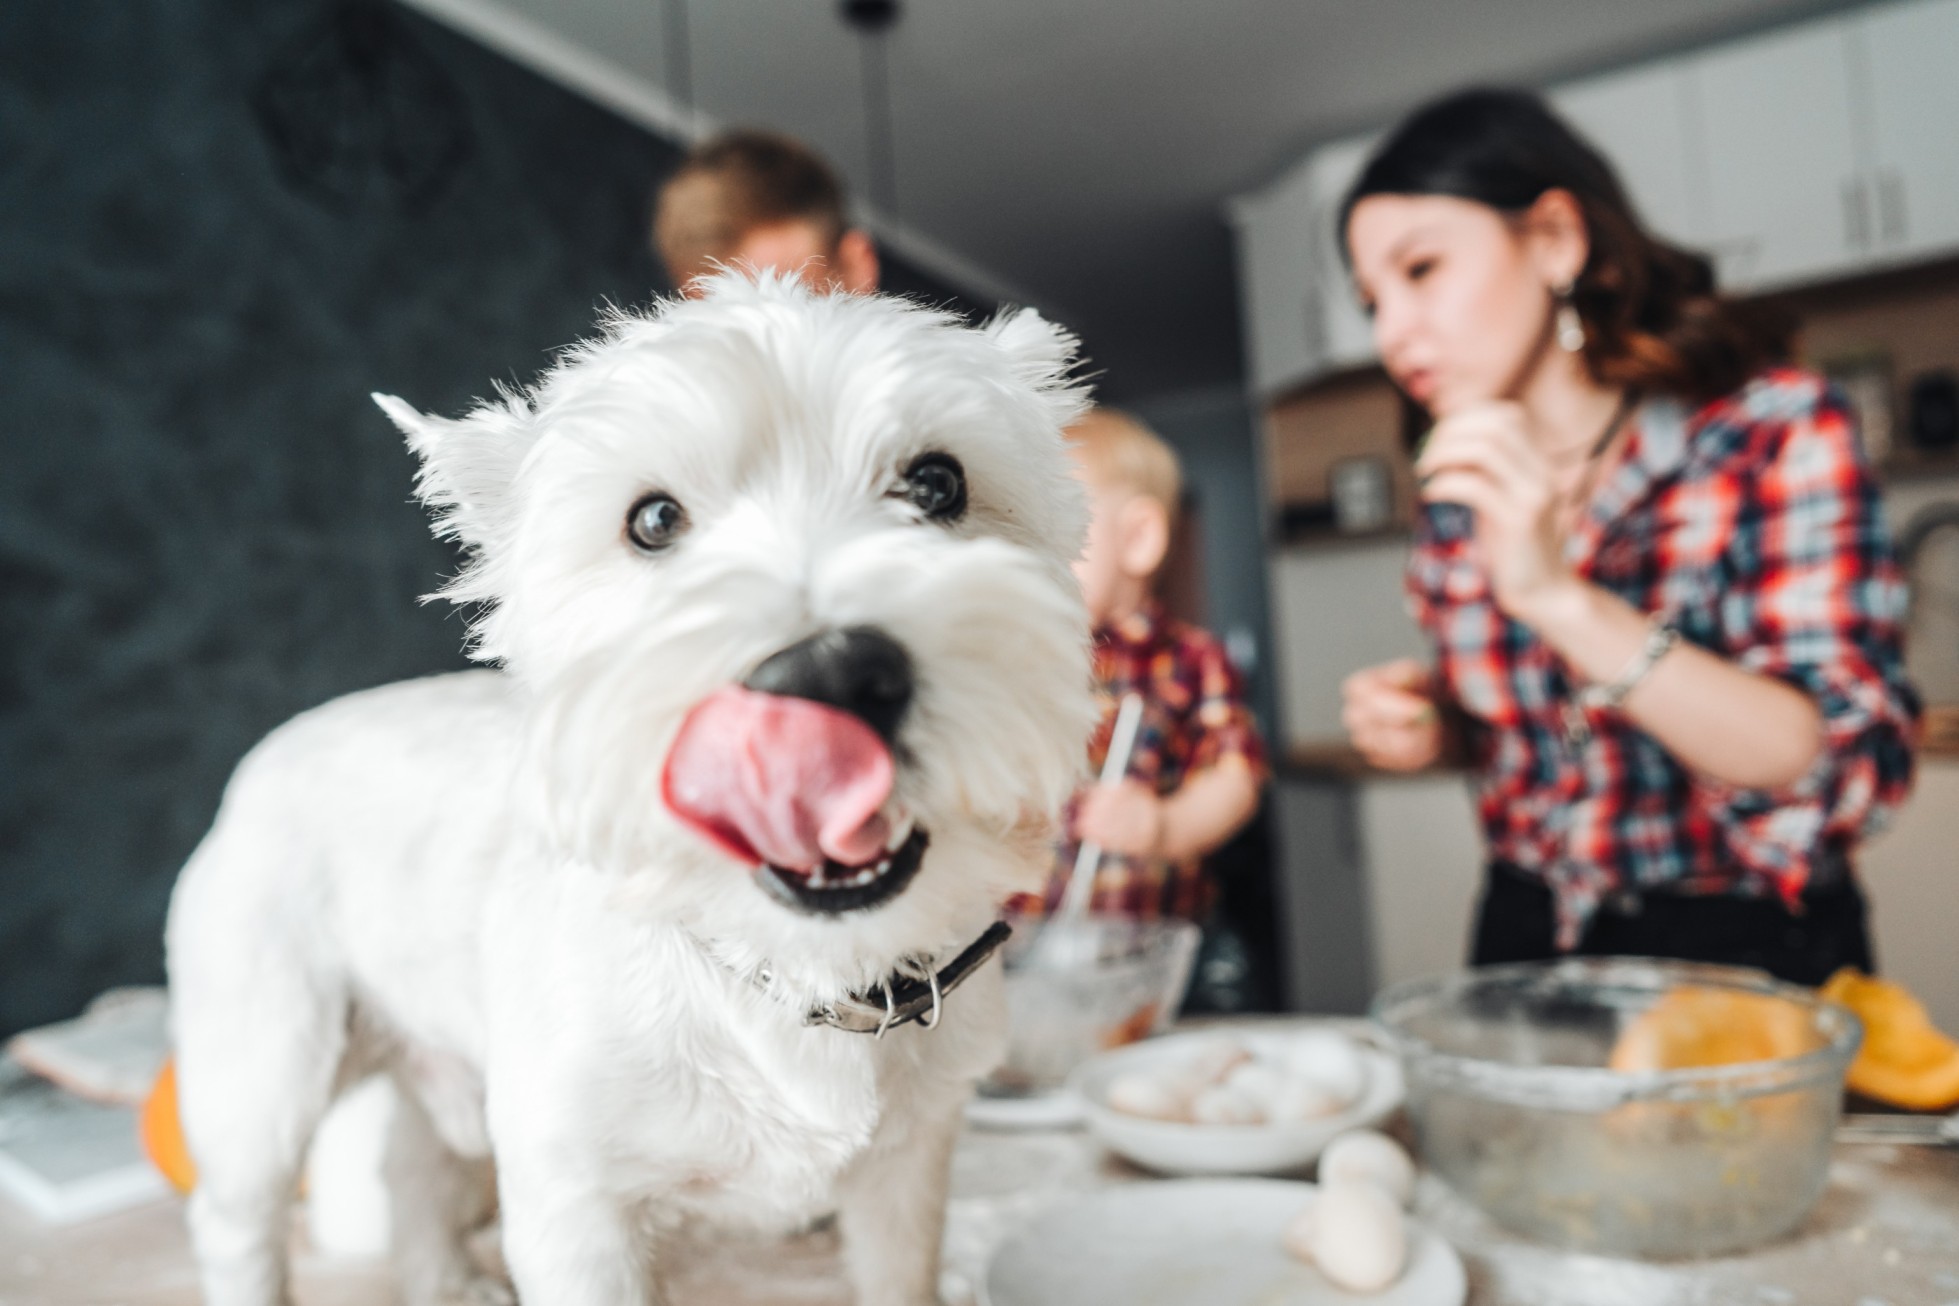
(1126,819)
(1482,457)
(1391,715)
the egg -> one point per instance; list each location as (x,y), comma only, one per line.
(1216,1059)
(1364,1156)
(1154,1096)
(1299,1100)
(1261,1081)
(1226,1105)
(1299,1230)
(1357,1236)
(1329,1060)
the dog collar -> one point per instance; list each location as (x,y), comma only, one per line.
(907,994)
(913,992)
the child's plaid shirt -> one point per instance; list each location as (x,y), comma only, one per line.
(1194,716)
(1754,527)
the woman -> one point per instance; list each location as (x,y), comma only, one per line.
(1664,606)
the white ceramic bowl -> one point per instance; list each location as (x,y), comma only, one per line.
(1170,1147)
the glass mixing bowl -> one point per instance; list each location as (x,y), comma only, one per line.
(1515,1104)
(1077,988)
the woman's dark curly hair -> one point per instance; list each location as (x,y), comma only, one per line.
(1653,318)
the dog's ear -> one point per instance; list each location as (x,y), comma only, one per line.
(1042,355)
(468,465)
(1040,350)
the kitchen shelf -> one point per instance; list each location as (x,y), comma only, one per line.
(1334,759)
(1941,737)
(1316,536)
(1908,465)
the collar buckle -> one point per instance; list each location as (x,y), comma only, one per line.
(906,997)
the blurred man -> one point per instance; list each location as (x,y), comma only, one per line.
(757,198)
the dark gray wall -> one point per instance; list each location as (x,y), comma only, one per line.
(204,524)
(1216,442)
(1212,432)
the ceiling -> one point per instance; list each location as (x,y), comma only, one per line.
(1076,154)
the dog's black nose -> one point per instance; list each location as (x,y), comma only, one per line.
(859,669)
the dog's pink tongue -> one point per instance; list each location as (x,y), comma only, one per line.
(780,780)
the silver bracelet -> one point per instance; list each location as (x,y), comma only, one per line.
(1659,638)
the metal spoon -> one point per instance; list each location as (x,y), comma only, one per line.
(1930,1131)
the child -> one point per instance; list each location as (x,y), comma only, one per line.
(1194,774)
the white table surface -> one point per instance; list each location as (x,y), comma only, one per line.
(1885,1234)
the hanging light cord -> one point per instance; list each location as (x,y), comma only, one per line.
(879,146)
(680,55)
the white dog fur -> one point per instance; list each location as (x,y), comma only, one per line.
(470,882)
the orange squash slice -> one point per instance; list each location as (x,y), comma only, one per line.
(1905,1060)
(163,1133)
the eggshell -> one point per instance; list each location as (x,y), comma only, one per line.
(1214,1061)
(1358,1237)
(1154,1096)
(1226,1105)
(1260,1081)
(1301,1099)
(1364,1156)
(1329,1060)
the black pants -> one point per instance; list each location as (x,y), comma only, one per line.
(1516,923)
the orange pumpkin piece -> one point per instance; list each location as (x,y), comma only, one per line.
(1690,1027)
(1905,1060)
(163,1133)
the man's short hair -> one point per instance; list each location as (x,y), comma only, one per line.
(1117,449)
(735,183)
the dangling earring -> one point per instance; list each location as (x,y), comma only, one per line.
(1571,328)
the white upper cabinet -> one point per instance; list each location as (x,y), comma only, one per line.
(1642,122)
(1346,331)
(1301,316)
(1803,155)
(1910,60)
(1283,336)
(1786,202)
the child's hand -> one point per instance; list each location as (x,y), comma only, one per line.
(1126,819)
(1391,716)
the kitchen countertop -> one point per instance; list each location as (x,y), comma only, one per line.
(1885,1234)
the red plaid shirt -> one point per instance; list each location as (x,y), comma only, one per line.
(1754,526)
(1194,716)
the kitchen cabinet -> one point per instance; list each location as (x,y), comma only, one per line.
(1346,332)
(1423,851)
(1336,607)
(1786,199)
(1301,315)
(1801,156)
(1643,122)
(1910,60)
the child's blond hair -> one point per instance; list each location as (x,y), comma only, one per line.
(1116,449)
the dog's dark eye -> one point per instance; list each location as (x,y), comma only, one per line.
(935,484)
(655,522)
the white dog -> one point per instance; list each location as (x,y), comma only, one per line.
(794,675)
